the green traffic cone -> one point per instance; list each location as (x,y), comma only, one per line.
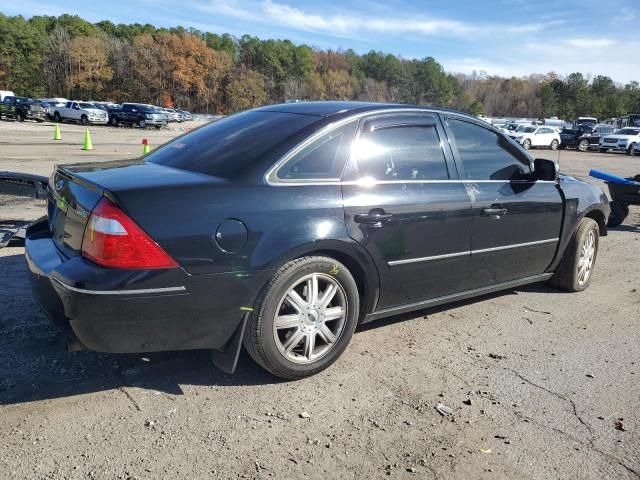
(56,133)
(87,140)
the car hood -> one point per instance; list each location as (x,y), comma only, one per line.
(622,137)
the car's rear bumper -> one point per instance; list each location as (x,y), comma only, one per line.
(127,311)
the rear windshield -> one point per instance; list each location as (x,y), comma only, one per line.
(227,146)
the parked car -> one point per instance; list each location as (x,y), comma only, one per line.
(533,136)
(187,116)
(583,137)
(286,226)
(21,109)
(591,139)
(636,150)
(622,140)
(175,115)
(139,114)
(81,112)
(51,104)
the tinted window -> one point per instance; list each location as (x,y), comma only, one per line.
(486,155)
(403,152)
(224,148)
(323,158)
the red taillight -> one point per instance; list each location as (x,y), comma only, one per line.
(113,240)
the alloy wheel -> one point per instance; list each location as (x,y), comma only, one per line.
(583,146)
(310,318)
(587,257)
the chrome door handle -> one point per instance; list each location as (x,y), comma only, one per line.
(494,212)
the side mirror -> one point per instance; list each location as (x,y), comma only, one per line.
(546,170)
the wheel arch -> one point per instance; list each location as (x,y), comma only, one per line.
(600,218)
(353,256)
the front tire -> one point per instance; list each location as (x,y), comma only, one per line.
(304,318)
(554,144)
(603,150)
(574,272)
(56,117)
(583,146)
(84,121)
(527,144)
(630,149)
(142,123)
(19,117)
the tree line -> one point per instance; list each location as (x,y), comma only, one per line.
(67,56)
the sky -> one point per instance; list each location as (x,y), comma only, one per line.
(500,37)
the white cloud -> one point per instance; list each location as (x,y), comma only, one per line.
(354,25)
(590,42)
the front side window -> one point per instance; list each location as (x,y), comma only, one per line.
(485,155)
(322,159)
(401,152)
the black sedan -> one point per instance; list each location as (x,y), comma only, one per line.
(284,227)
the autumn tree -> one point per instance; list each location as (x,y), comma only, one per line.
(89,69)
(246,89)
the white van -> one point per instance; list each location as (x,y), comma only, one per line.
(6,93)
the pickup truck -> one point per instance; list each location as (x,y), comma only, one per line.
(81,112)
(21,109)
(138,114)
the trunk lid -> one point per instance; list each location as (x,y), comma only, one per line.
(134,185)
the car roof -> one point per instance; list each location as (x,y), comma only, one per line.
(329,108)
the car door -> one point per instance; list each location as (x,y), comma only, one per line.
(403,203)
(542,137)
(516,219)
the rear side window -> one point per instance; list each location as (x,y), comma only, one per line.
(485,155)
(322,159)
(401,152)
(226,147)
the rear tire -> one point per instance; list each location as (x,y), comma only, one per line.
(575,269)
(527,144)
(292,333)
(619,211)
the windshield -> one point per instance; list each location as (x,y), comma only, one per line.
(628,131)
(226,147)
(529,129)
(86,105)
(521,128)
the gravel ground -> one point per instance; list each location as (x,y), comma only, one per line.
(541,384)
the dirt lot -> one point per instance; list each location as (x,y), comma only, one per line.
(542,384)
